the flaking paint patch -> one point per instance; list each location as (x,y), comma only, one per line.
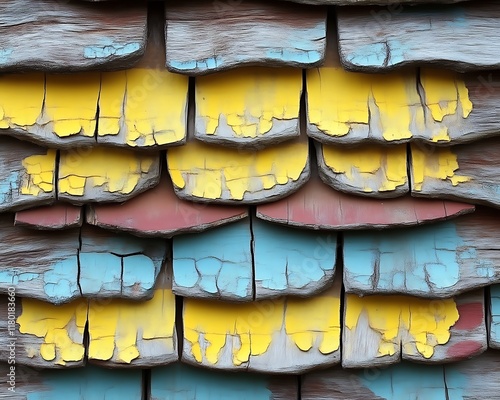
(39,173)
(108,48)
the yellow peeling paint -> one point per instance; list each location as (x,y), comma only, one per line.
(208,171)
(444,91)
(149,105)
(71,103)
(21,99)
(424,323)
(370,168)
(249,329)
(61,328)
(39,173)
(435,163)
(248,100)
(116,327)
(111,170)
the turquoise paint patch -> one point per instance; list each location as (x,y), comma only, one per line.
(10,277)
(139,275)
(182,382)
(294,56)
(373,54)
(108,48)
(100,272)
(455,382)
(183,65)
(9,187)
(495,313)
(60,282)
(89,383)
(184,273)
(5,55)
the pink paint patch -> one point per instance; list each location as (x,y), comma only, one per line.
(471,316)
(464,349)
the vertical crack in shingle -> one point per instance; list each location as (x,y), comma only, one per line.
(251,212)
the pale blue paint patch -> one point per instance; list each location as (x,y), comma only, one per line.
(9,187)
(407,381)
(290,258)
(107,48)
(217,261)
(11,277)
(5,55)
(205,64)
(100,272)
(456,382)
(139,275)
(397,52)
(189,65)
(294,56)
(495,314)
(453,17)
(183,382)
(373,54)
(60,282)
(89,383)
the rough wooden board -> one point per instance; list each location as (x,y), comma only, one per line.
(209,173)
(380,330)
(391,6)
(56,216)
(462,37)
(70,36)
(102,174)
(250,107)
(364,171)
(134,334)
(118,265)
(291,262)
(494,317)
(159,212)
(27,175)
(38,265)
(183,382)
(318,206)
(434,261)
(215,264)
(145,106)
(72,384)
(286,335)
(46,335)
(243,33)
(471,379)
(466,172)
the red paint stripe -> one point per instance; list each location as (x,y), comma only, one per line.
(464,349)
(471,316)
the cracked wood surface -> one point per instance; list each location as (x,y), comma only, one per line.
(364,171)
(159,212)
(183,382)
(254,107)
(286,335)
(317,206)
(56,216)
(494,317)
(433,261)
(102,174)
(69,36)
(243,33)
(381,330)
(462,36)
(470,379)
(466,172)
(207,173)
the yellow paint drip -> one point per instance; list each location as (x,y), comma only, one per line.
(58,326)
(39,173)
(206,171)
(369,168)
(71,103)
(115,328)
(148,104)
(248,99)
(113,170)
(21,99)
(424,323)
(438,163)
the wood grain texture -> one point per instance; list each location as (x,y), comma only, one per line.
(209,173)
(243,33)
(251,107)
(70,36)
(470,379)
(286,335)
(183,382)
(460,37)
(494,317)
(54,217)
(318,206)
(27,178)
(291,262)
(159,212)
(434,261)
(215,264)
(466,172)
(101,174)
(72,384)
(381,330)
(364,171)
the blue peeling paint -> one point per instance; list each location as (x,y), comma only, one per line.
(182,382)
(139,275)
(90,383)
(294,56)
(9,185)
(189,65)
(375,54)
(495,314)
(10,277)
(108,48)
(60,282)
(100,272)
(5,55)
